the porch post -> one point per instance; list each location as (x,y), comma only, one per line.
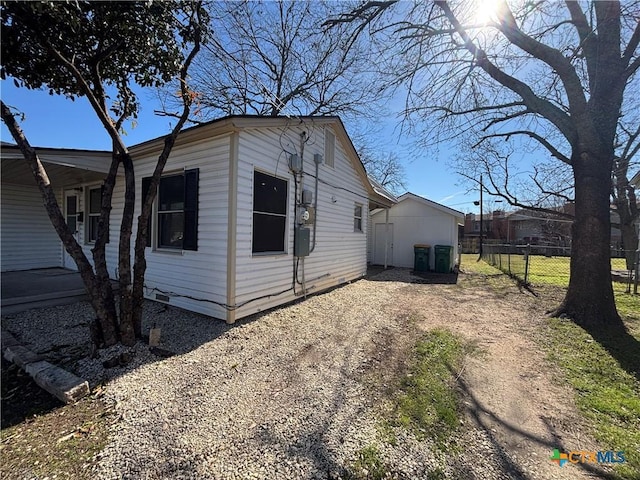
(386,236)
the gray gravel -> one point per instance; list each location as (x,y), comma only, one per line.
(286,394)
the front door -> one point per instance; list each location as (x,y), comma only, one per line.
(379,245)
(71,208)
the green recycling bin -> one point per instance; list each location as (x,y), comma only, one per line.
(443,258)
(421,257)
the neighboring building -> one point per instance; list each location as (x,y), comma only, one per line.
(635,182)
(240,202)
(413,220)
(527,227)
(538,228)
(495,227)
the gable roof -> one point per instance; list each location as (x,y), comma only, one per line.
(636,179)
(380,190)
(225,125)
(234,123)
(425,201)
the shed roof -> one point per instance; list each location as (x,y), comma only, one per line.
(425,201)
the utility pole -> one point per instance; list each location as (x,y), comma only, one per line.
(481,219)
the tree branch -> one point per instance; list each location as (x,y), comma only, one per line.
(545,108)
(551,56)
(552,150)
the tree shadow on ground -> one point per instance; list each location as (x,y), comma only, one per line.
(622,346)
(21,397)
(377,273)
(486,420)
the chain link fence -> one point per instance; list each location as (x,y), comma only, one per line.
(537,264)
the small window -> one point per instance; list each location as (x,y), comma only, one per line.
(93,214)
(176,212)
(329,147)
(170,212)
(269,213)
(357,218)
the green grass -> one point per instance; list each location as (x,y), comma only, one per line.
(368,465)
(606,394)
(469,264)
(428,403)
(542,270)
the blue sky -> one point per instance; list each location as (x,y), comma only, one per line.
(53,121)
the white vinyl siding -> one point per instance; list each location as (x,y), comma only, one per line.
(340,253)
(329,147)
(199,274)
(28,238)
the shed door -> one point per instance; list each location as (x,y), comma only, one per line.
(71,210)
(378,248)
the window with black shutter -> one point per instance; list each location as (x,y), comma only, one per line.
(176,211)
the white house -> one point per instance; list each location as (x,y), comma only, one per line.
(252,212)
(414,220)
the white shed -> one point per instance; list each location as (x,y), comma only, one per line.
(252,212)
(413,220)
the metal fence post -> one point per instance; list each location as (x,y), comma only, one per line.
(526,263)
(635,281)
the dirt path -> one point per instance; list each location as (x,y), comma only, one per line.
(517,410)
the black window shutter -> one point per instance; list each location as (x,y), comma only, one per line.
(146,184)
(190,238)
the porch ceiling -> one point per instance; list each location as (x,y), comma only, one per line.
(16,171)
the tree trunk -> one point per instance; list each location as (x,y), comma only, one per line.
(127,331)
(589,300)
(625,200)
(98,250)
(630,244)
(106,315)
(139,269)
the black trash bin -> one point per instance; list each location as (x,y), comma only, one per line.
(442,255)
(421,257)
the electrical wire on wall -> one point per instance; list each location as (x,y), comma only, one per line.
(229,308)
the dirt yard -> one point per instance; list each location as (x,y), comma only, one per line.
(297,392)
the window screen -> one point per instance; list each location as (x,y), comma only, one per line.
(269,213)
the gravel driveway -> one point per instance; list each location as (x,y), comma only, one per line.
(297,392)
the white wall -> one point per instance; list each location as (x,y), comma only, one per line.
(200,274)
(417,223)
(340,253)
(28,238)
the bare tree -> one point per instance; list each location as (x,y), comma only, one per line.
(272,57)
(555,73)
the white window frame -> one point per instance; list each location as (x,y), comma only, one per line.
(357,218)
(88,215)
(156,212)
